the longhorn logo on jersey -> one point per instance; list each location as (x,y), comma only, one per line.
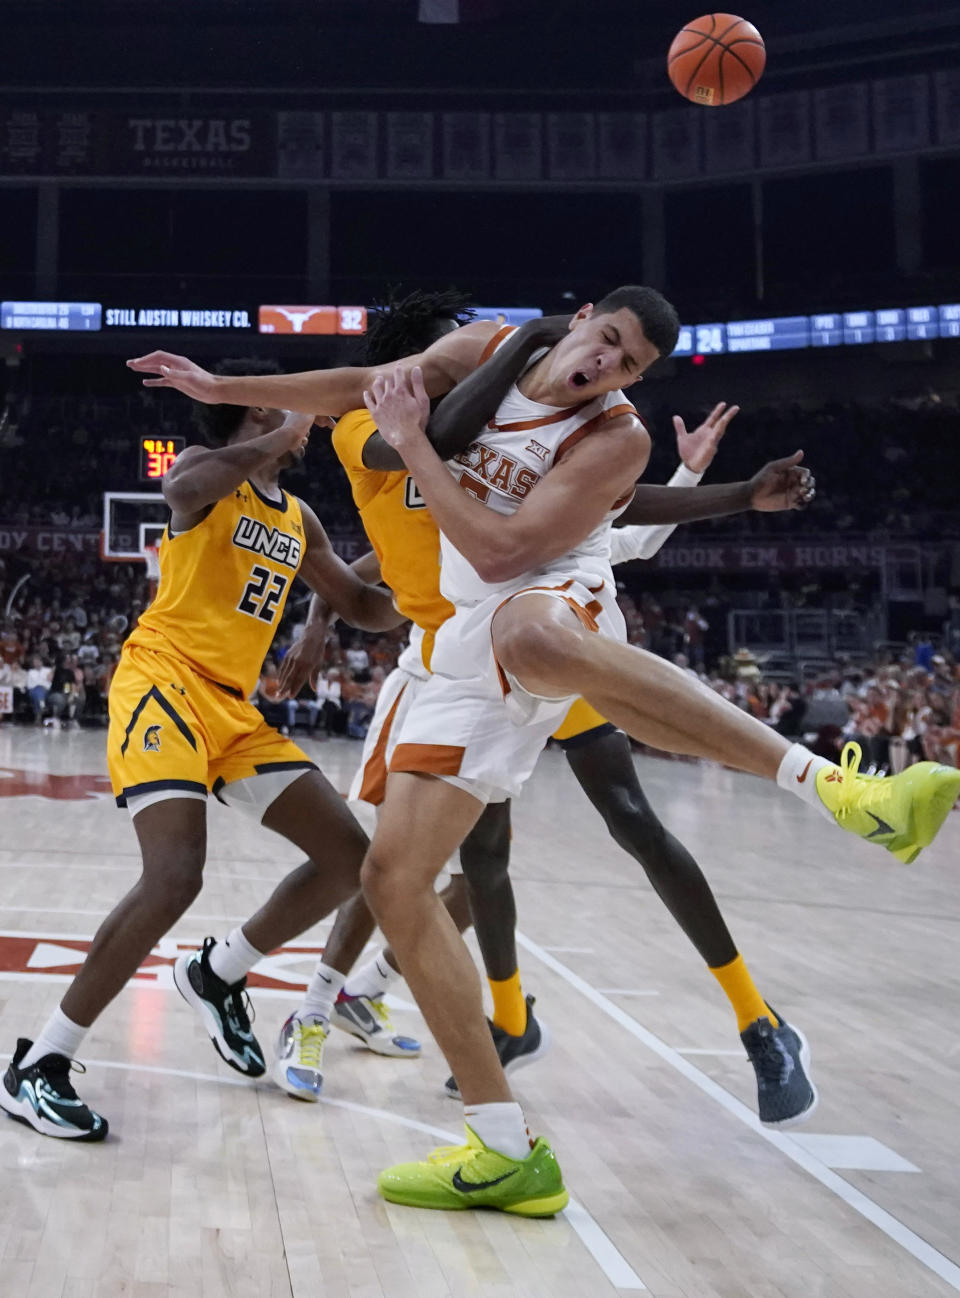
(151,739)
(252,534)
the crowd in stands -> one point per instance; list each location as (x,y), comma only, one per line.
(62,632)
(901,706)
(60,642)
(87,445)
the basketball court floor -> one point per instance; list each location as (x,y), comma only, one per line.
(213,1187)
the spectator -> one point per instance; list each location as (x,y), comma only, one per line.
(66,690)
(330,714)
(38,686)
(358,661)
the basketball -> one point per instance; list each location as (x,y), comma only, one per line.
(716,59)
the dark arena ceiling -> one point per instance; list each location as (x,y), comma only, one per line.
(305,46)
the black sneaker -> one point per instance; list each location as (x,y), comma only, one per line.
(42,1097)
(224,1008)
(780,1057)
(514,1052)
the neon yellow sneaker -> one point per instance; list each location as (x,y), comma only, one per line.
(473,1176)
(903,813)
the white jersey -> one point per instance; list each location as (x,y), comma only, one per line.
(523,441)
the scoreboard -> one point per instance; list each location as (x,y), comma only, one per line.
(157,454)
(74,317)
(775,333)
(835,329)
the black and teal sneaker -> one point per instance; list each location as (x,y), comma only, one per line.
(43,1097)
(224,1008)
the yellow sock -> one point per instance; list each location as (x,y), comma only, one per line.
(509,1006)
(748,1004)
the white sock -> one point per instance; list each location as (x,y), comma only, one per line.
(798,774)
(234,957)
(59,1036)
(501,1127)
(323,989)
(371,979)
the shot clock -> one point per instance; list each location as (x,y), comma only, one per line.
(157,454)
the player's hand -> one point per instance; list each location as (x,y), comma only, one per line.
(782,484)
(304,660)
(698,448)
(293,434)
(176,372)
(399,403)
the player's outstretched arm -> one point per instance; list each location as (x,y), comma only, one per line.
(203,475)
(363,605)
(327,392)
(697,450)
(305,659)
(780,485)
(471,405)
(563,509)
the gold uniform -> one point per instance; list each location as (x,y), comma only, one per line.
(406,540)
(180,720)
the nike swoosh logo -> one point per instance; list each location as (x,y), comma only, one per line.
(801,778)
(470,1187)
(882,827)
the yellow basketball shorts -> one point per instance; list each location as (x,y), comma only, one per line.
(174,733)
(582,724)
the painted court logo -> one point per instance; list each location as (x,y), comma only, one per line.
(151,739)
(54,957)
(17,783)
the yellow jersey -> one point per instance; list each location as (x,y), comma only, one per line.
(399,526)
(223,587)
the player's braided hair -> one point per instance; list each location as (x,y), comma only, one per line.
(218,423)
(401,327)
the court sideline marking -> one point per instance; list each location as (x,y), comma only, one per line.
(594,1239)
(892,1227)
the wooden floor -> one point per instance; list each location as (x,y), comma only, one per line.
(210,1186)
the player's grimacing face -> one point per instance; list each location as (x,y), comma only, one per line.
(602,353)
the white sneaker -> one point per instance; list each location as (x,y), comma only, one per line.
(298,1066)
(369,1020)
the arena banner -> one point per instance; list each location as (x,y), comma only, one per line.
(148,143)
(817,555)
(868,118)
(44,541)
(192,144)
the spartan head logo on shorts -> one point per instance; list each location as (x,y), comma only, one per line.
(151,739)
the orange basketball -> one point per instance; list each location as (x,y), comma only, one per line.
(716,59)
